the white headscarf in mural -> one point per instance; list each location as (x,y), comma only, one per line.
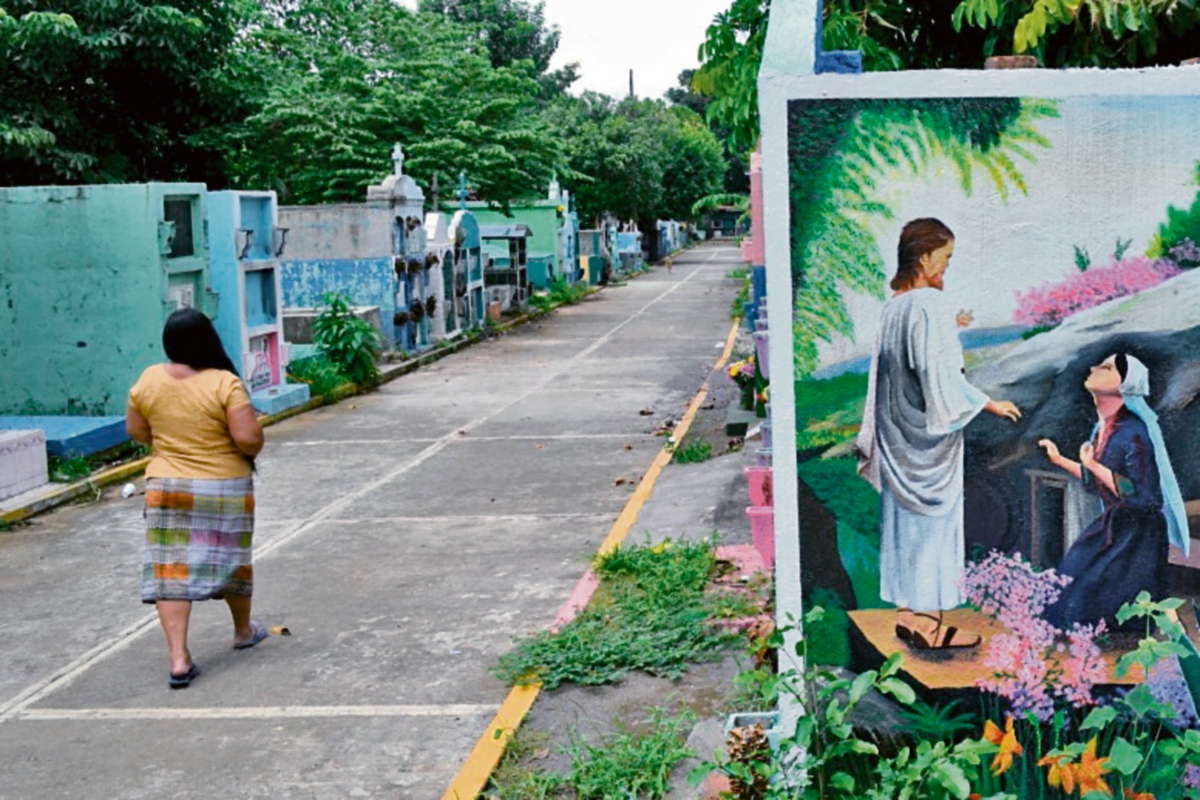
(1135,389)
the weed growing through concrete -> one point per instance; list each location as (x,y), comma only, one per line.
(738,274)
(627,763)
(652,612)
(693,452)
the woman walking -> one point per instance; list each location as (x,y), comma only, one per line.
(195,414)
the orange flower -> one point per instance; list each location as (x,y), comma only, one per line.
(1061,773)
(1006,740)
(1090,771)
(1130,795)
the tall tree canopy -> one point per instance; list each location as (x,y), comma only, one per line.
(512,30)
(637,159)
(347,78)
(113,90)
(945,34)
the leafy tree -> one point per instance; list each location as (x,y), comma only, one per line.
(730,58)
(736,179)
(115,90)
(348,78)
(1100,33)
(944,34)
(513,30)
(637,159)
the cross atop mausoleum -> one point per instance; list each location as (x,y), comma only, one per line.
(398,160)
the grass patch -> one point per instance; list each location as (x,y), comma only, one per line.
(738,274)
(830,411)
(651,612)
(694,452)
(321,375)
(743,297)
(625,764)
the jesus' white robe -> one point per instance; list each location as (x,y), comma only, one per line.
(910,448)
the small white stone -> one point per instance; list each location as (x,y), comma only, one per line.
(128,490)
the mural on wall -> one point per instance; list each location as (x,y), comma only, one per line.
(996,315)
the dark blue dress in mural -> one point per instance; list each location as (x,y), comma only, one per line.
(1124,551)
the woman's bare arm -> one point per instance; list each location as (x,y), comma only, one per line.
(136,425)
(245,430)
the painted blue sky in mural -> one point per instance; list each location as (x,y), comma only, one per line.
(1115,165)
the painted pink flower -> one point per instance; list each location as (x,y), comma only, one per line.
(1033,663)
(1051,303)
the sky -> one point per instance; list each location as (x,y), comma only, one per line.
(1114,166)
(657,39)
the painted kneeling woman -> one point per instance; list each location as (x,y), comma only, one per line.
(1124,551)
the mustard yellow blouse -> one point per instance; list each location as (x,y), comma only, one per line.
(188,424)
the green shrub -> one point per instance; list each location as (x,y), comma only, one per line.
(322,377)
(346,341)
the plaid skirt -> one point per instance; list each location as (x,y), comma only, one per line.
(198,539)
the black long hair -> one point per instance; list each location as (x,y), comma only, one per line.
(190,338)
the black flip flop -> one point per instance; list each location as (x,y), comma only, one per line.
(185,680)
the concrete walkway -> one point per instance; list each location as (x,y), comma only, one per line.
(404,538)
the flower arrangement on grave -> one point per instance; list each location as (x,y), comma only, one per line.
(416,310)
(742,374)
(431,305)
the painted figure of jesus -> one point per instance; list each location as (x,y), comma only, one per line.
(910,446)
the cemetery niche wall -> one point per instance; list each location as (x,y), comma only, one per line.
(88,275)
(1074,202)
(245,244)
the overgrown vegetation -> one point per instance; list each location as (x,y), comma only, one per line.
(630,763)
(322,377)
(651,612)
(559,293)
(78,468)
(694,452)
(69,470)
(350,344)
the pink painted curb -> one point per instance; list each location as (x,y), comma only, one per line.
(580,596)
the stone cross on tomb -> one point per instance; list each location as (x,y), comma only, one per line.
(398,160)
(462,190)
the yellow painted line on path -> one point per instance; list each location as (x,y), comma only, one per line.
(475,772)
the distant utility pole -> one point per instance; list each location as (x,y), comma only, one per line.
(631,94)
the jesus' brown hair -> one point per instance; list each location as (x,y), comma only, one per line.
(919,237)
